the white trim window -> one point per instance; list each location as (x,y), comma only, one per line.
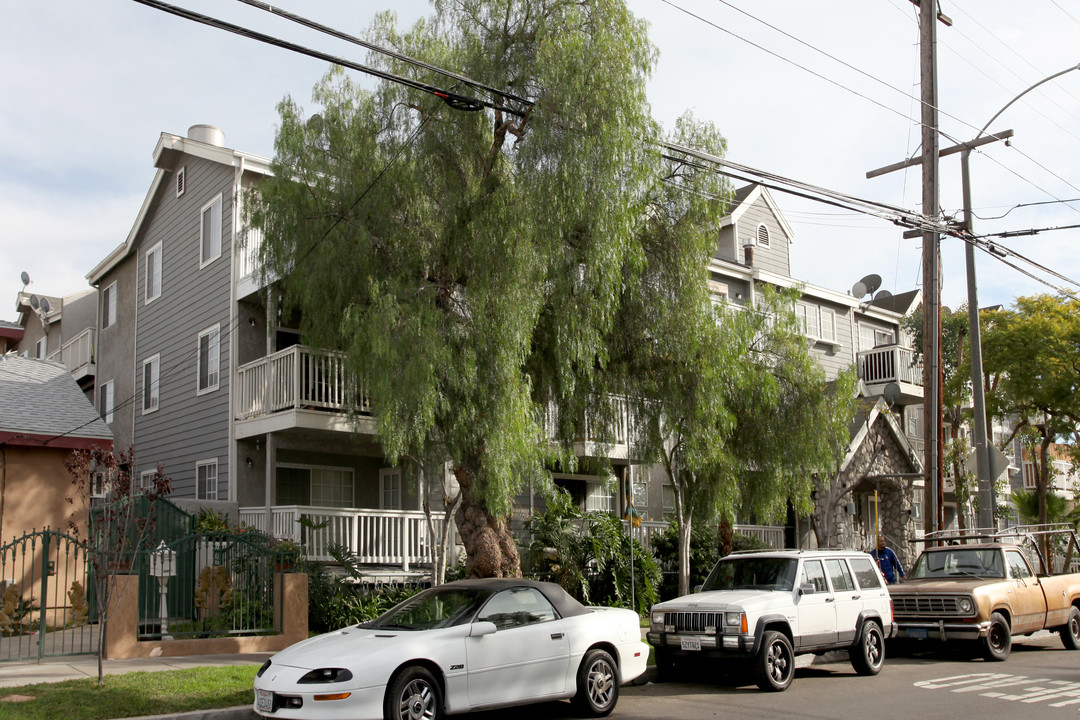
(390,488)
(153,273)
(42,348)
(146,479)
(108,306)
(808,319)
(99,486)
(209,359)
(828,325)
(151,380)
(210,232)
(206,479)
(106,398)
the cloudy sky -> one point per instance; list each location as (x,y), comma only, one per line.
(818,92)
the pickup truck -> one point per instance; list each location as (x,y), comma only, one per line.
(761,609)
(982,588)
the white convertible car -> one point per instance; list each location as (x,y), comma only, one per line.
(459,647)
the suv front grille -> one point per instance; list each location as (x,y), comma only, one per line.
(926,605)
(694,622)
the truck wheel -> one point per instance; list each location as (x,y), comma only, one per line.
(998,641)
(774,666)
(868,655)
(1070,631)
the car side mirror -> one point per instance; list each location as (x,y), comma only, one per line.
(697,588)
(807,589)
(479,629)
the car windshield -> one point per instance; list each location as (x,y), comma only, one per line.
(752,573)
(435,608)
(959,562)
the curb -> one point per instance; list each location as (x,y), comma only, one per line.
(242,712)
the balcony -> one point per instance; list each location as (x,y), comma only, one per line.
(77,354)
(596,439)
(377,537)
(294,387)
(892,364)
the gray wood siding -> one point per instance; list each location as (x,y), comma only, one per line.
(777,257)
(187,427)
(114,353)
(835,358)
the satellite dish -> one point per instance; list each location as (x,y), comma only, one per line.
(872,283)
(883,295)
(45,305)
(891,393)
(25,278)
(34,302)
(858,290)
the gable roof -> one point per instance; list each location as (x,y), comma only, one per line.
(868,412)
(745,197)
(42,405)
(166,157)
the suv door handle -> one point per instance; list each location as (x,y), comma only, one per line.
(856,597)
(556,636)
(829,599)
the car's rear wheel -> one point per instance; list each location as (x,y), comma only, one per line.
(774,666)
(998,641)
(413,694)
(868,655)
(1070,631)
(597,684)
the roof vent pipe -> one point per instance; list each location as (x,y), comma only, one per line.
(208,134)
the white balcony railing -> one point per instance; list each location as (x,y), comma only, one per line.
(293,378)
(891,363)
(77,354)
(376,537)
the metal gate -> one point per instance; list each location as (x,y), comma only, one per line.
(45,598)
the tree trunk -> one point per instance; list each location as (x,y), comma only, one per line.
(684,554)
(727,541)
(489,543)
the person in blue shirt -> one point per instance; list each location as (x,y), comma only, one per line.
(887,561)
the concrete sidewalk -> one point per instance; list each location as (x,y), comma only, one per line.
(14,674)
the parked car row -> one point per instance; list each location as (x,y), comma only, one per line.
(481,644)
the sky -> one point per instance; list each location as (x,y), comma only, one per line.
(821,93)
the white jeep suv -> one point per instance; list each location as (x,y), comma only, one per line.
(768,607)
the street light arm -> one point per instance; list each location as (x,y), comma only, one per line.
(1044,80)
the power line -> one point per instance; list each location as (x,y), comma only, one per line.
(458,102)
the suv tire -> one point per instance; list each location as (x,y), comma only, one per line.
(868,654)
(774,666)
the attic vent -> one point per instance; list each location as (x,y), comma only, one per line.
(180,182)
(762,236)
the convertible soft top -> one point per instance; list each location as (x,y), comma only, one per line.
(564,604)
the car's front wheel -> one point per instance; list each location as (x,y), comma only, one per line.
(868,655)
(774,666)
(597,684)
(414,693)
(998,641)
(1070,631)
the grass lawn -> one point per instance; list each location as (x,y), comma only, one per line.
(132,694)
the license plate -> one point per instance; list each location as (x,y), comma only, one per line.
(690,643)
(917,633)
(264,701)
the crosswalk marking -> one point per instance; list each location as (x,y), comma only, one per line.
(1012,688)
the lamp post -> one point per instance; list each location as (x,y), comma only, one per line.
(978,398)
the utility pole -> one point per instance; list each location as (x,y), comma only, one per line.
(933,392)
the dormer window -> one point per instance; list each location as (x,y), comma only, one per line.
(762,235)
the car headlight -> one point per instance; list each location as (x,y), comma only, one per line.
(264,668)
(735,622)
(657,617)
(326,675)
(965,605)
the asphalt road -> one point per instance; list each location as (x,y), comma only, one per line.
(1040,679)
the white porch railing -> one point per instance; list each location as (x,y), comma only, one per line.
(296,377)
(77,354)
(376,537)
(890,363)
